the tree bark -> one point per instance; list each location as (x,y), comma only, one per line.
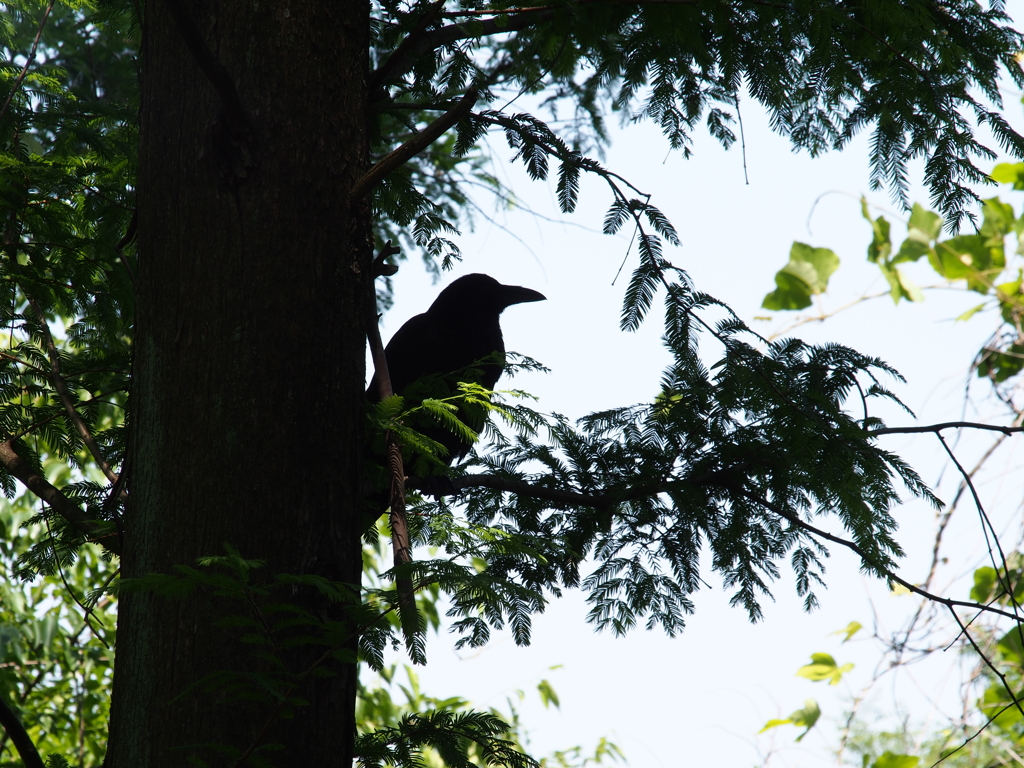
(247,390)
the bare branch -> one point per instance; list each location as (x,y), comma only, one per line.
(945,425)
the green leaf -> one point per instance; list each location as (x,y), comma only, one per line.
(881,244)
(924,226)
(807,273)
(996,703)
(548,695)
(891,760)
(971,312)
(1009,173)
(984,583)
(971,258)
(849,630)
(802,718)
(823,667)
(1011,646)
(998,219)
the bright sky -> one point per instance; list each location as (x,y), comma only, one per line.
(701,698)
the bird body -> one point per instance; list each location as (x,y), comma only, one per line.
(457,339)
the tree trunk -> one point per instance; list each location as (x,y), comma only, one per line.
(247,390)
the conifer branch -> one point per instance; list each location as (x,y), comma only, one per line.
(412,147)
(519,487)
(418,42)
(397,56)
(869,560)
(19,468)
(65,398)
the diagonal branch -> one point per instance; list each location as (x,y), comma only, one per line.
(65,397)
(97,531)
(19,736)
(412,147)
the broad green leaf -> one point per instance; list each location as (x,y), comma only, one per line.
(824,667)
(994,703)
(806,717)
(998,219)
(891,760)
(908,287)
(970,258)
(911,250)
(1011,299)
(791,293)
(1001,365)
(881,244)
(924,226)
(1009,173)
(1011,646)
(807,273)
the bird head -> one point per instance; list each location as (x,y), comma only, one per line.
(480,295)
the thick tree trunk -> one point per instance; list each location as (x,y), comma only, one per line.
(246,402)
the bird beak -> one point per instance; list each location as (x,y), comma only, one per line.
(514,294)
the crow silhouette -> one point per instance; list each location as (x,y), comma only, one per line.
(457,339)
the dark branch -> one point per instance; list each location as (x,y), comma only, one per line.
(19,737)
(520,487)
(97,531)
(419,42)
(412,147)
(57,380)
(411,40)
(401,541)
(945,425)
(946,601)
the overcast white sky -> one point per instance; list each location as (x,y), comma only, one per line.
(701,698)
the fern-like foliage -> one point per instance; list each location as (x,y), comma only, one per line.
(745,464)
